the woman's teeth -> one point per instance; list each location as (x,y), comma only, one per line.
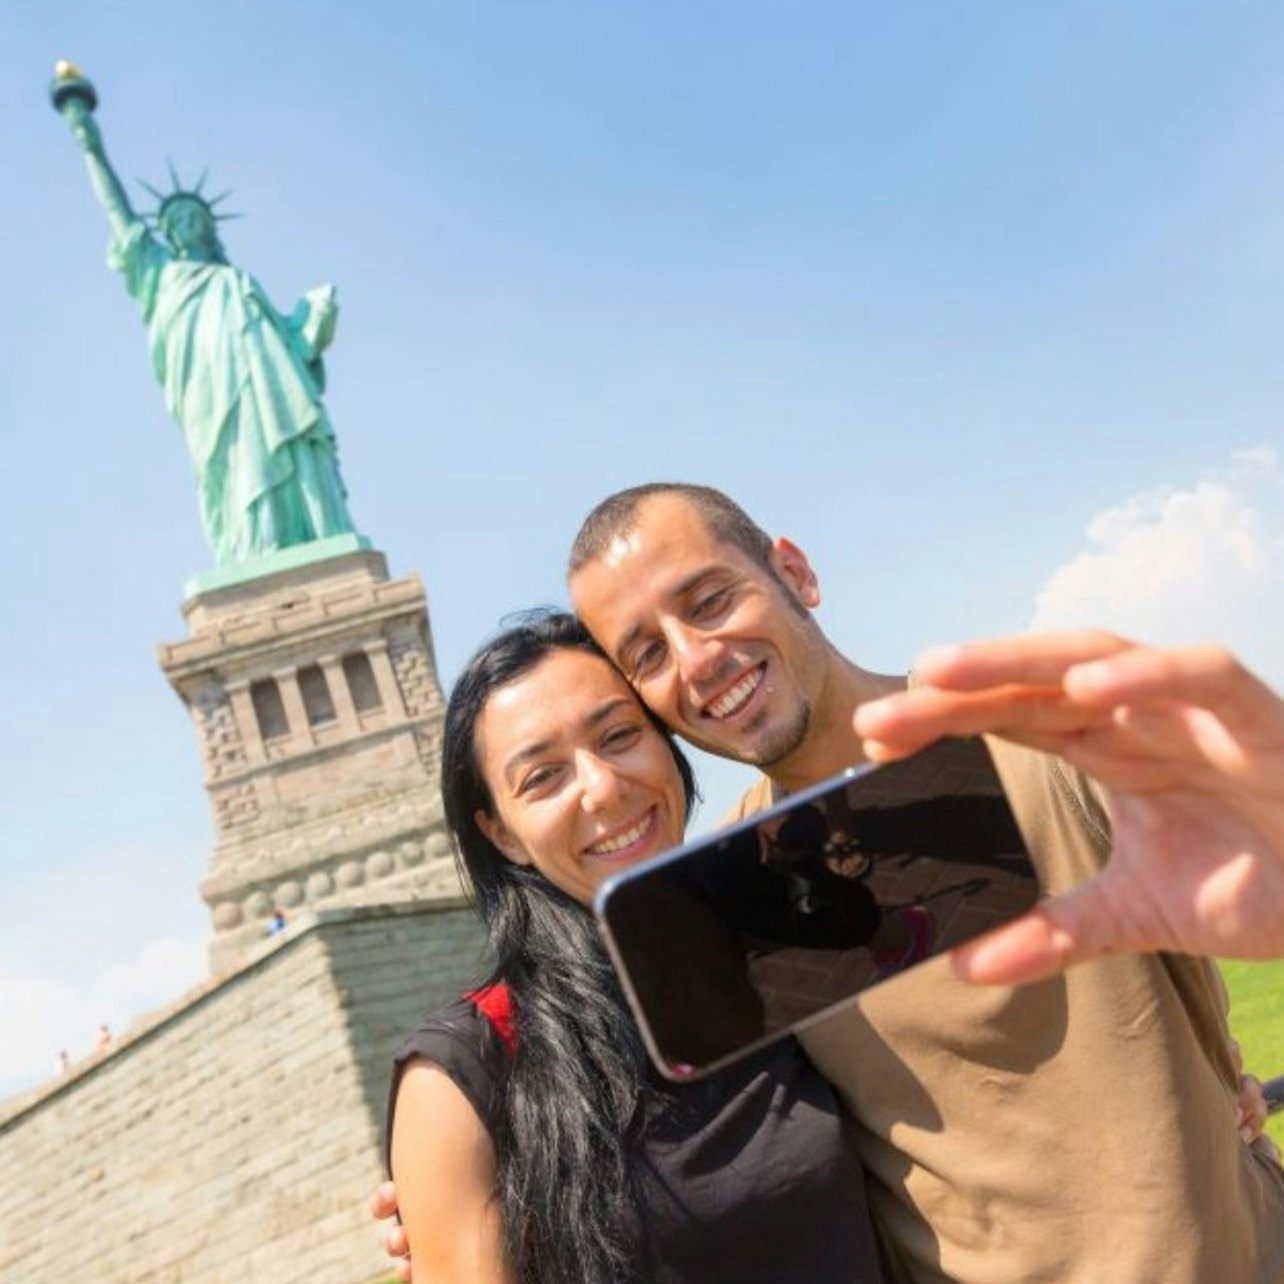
(609,846)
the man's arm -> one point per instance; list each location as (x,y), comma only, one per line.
(1189,746)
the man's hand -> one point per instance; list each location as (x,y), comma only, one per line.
(383,1204)
(1250,1112)
(1190,748)
(1250,1105)
(1251,1109)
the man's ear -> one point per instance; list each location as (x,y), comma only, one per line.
(792,566)
(497,832)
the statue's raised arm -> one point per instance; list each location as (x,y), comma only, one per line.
(75,99)
(243,381)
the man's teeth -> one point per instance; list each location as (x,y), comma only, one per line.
(725,705)
(609,846)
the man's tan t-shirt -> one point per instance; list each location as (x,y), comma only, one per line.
(1076,1131)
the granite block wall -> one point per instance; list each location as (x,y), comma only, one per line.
(236,1135)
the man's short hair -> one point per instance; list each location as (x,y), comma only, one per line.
(616,515)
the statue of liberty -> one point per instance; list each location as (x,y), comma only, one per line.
(243,380)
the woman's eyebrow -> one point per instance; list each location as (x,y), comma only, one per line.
(606,709)
(537,748)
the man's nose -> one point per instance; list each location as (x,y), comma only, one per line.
(695,652)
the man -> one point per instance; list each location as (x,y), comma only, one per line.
(1080,1130)
(1190,747)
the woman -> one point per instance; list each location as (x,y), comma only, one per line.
(545,1150)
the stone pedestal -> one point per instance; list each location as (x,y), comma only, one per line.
(318,716)
(235,1136)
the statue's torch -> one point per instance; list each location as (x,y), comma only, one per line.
(72,95)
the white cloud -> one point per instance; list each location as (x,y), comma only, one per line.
(1200,564)
(40,1017)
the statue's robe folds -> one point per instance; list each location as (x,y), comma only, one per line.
(244,383)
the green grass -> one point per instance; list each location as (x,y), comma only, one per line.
(1257,1020)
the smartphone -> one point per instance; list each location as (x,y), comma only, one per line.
(738,937)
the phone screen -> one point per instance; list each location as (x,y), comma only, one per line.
(743,935)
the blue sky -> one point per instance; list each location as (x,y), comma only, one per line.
(980,304)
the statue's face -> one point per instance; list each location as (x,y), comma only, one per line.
(190,229)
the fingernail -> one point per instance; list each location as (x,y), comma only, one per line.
(1092,674)
(936,657)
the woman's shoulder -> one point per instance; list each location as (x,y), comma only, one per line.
(462,1038)
(440,1143)
(475,1029)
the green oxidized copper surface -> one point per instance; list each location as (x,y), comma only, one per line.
(243,380)
(285,559)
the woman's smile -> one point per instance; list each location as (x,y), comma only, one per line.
(626,844)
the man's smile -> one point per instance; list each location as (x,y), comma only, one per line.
(736,696)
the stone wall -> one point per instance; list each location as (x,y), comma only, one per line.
(235,1136)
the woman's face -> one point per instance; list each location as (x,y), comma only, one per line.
(582,782)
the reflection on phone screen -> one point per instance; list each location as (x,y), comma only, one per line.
(734,939)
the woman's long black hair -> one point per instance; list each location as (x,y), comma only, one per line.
(571,1100)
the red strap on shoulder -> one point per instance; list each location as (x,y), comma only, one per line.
(495,1003)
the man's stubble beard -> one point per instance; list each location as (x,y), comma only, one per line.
(775,743)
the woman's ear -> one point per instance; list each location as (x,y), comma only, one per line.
(793,567)
(497,832)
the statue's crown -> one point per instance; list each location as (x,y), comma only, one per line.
(178,192)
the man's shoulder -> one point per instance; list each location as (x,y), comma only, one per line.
(759,795)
